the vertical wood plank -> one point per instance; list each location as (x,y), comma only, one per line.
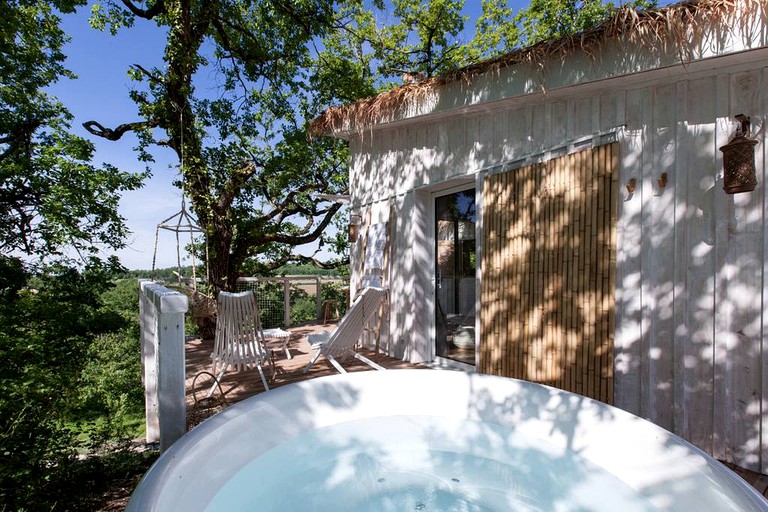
(504,337)
(739,240)
(761,159)
(628,270)
(582,124)
(497,305)
(485,149)
(659,262)
(681,298)
(615,198)
(500,137)
(700,261)
(560,332)
(725,340)
(574,335)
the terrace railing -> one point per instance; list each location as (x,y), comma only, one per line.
(162,359)
(291,300)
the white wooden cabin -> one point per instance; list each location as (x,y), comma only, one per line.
(558,215)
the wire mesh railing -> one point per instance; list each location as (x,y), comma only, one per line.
(285,301)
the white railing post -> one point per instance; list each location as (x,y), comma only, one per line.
(163,362)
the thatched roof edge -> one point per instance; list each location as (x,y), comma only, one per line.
(658,28)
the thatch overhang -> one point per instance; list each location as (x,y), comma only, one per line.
(678,34)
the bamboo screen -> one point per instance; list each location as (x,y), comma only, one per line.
(549,272)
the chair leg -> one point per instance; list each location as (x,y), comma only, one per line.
(287,352)
(367,361)
(312,361)
(335,363)
(263,378)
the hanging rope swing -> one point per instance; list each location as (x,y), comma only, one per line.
(202,307)
(180,222)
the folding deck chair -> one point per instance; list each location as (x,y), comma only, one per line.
(239,339)
(341,343)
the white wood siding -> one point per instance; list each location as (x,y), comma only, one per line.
(691,267)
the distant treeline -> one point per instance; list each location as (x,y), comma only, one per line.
(286,270)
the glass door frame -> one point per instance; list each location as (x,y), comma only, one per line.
(453,188)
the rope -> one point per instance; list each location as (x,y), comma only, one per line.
(178,258)
(194,263)
(154,254)
(191,225)
(206,406)
(181,214)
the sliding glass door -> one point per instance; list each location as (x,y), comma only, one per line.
(455,264)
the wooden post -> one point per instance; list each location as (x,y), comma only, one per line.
(286,302)
(163,362)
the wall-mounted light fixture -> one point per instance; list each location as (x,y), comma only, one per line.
(353,228)
(739,160)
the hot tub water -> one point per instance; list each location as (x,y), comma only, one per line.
(426,440)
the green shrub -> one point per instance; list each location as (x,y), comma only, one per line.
(123,299)
(112,395)
(303,307)
(45,336)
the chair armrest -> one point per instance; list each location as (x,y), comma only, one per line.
(315,340)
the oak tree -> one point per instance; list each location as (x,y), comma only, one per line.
(232,101)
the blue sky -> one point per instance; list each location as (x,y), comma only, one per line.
(100,93)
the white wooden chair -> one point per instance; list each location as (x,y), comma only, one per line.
(341,343)
(239,339)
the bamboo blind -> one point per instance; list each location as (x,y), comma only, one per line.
(549,272)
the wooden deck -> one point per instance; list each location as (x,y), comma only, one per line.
(237,386)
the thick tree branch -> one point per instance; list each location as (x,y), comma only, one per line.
(284,238)
(258,58)
(300,20)
(237,180)
(282,210)
(206,16)
(20,137)
(300,259)
(149,13)
(97,129)
(152,77)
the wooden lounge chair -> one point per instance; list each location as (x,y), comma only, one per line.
(341,343)
(239,339)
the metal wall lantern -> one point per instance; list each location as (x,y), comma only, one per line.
(739,160)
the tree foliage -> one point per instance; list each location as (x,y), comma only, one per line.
(51,196)
(46,332)
(54,206)
(501,29)
(382,44)
(548,19)
(247,164)
(421,40)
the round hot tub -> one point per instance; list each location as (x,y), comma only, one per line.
(434,440)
